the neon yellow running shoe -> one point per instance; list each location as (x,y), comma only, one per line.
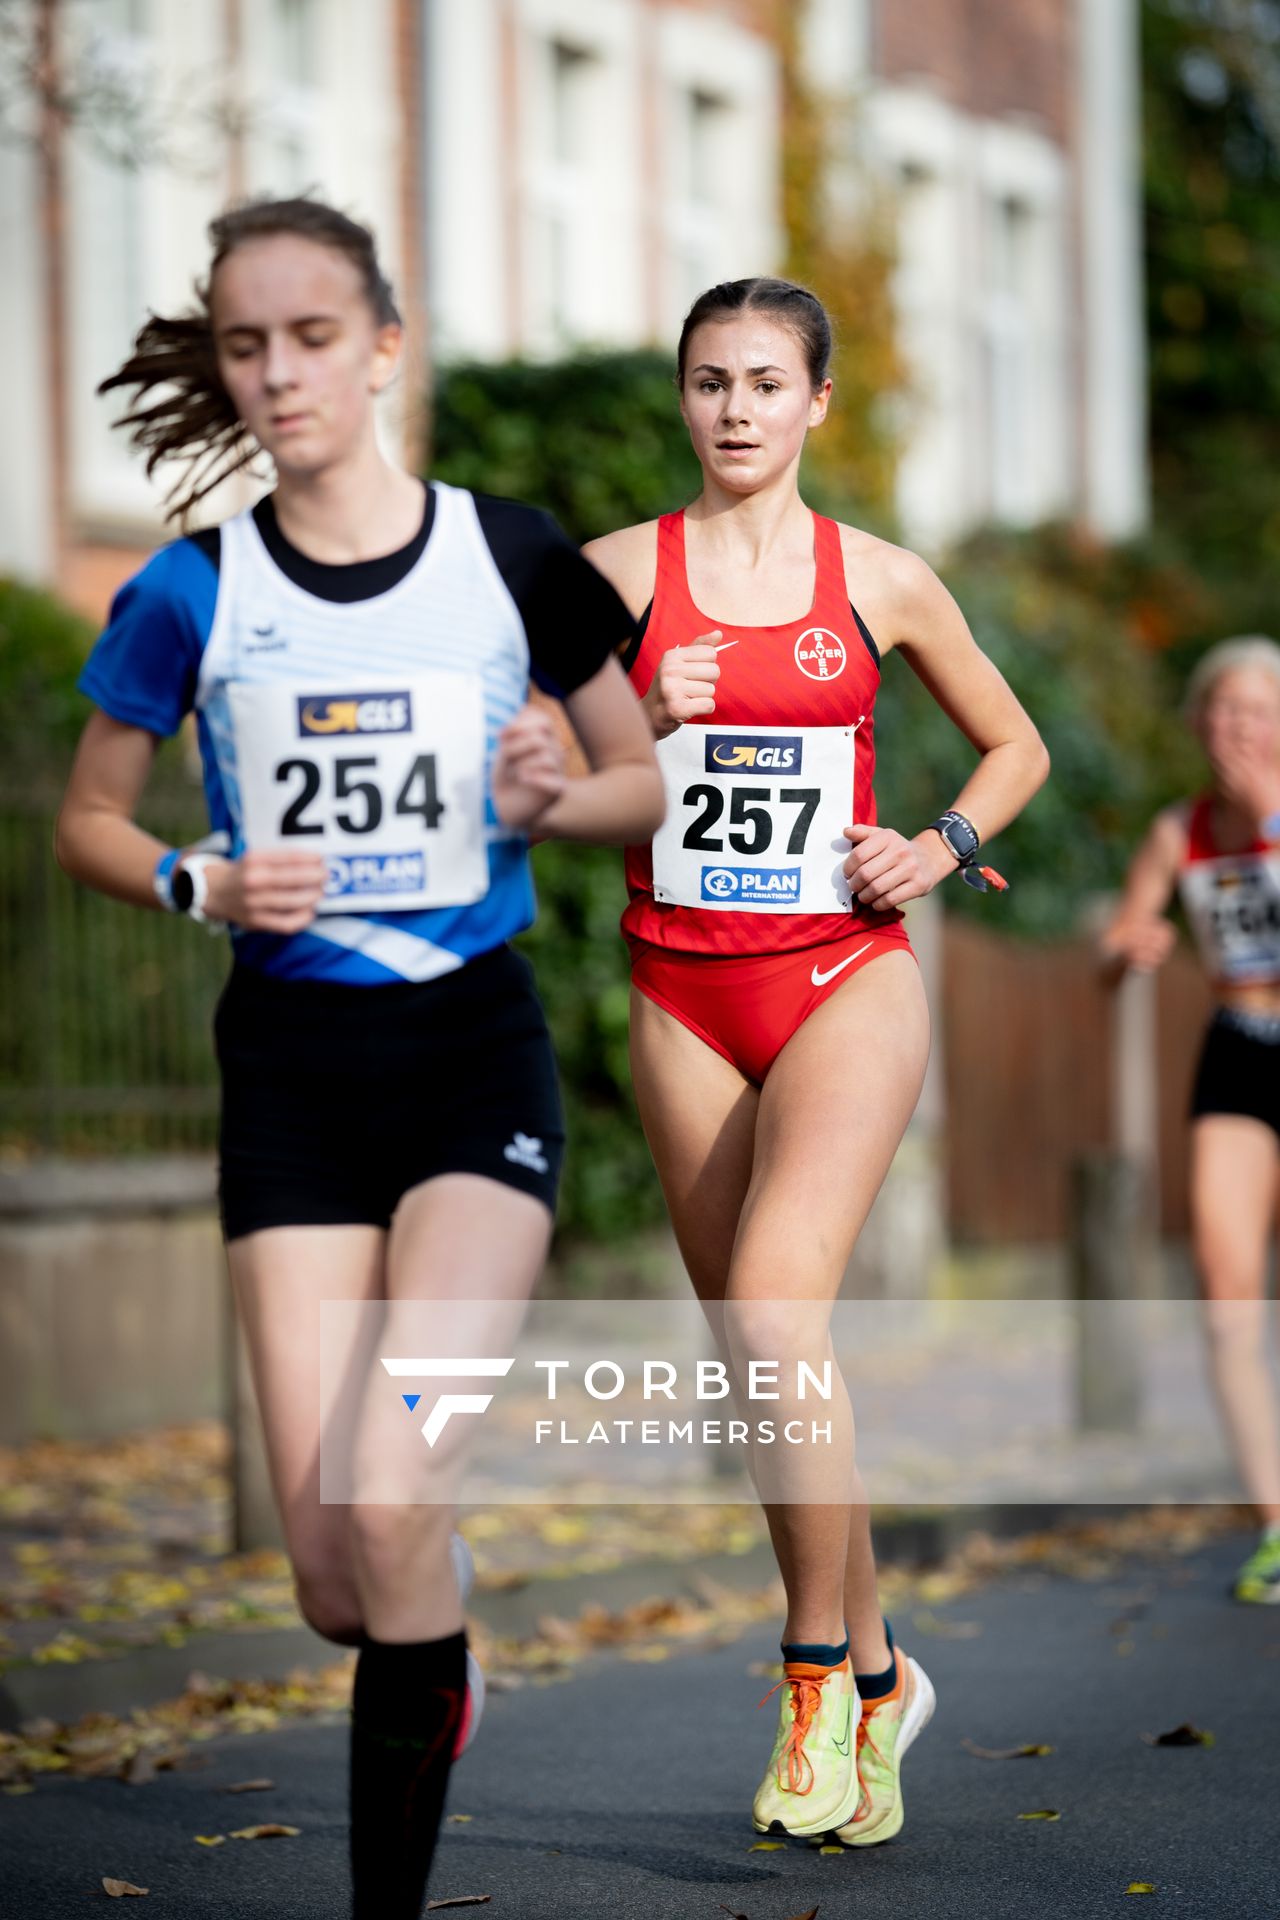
(811,1784)
(1258,1580)
(885,1731)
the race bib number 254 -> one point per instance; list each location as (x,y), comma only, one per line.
(384,780)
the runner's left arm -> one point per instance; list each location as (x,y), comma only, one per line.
(885,868)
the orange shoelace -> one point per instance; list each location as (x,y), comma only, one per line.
(864,1740)
(806,1698)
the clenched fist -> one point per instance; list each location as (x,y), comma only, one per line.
(684,685)
(529,771)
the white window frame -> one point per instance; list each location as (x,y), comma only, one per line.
(735,227)
(954,319)
(595,204)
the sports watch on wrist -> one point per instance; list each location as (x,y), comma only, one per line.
(189,887)
(962,840)
(959,836)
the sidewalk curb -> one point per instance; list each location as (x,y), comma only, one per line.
(145,1676)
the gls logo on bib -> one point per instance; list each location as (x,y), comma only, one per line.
(329,713)
(754,754)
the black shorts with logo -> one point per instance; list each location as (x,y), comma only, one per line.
(337,1099)
(1239,1070)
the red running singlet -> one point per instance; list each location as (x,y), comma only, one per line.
(1232,902)
(820,671)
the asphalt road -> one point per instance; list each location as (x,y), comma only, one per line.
(624,1793)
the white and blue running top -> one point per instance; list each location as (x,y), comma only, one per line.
(354,711)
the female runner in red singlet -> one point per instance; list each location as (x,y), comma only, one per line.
(775,1066)
(1221,851)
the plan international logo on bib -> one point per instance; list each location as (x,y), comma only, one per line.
(751,886)
(363,874)
(327,713)
(754,753)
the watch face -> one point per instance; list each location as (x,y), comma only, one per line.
(961,838)
(184,890)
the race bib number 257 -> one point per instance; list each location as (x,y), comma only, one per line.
(755,819)
(384,780)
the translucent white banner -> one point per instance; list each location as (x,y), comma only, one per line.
(921,1403)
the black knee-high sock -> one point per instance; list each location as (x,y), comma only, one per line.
(406,1709)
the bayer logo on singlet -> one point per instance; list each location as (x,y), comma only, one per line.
(820,653)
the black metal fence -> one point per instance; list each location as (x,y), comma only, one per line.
(104,1011)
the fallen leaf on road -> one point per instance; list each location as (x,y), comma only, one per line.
(1125,1647)
(1041,1813)
(767,1846)
(211,1839)
(932,1623)
(646,1653)
(248,1786)
(461,1900)
(811,1915)
(118,1888)
(272,1831)
(1140,1886)
(1184,1736)
(138,1769)
(732,1913)
(1004,1753)
(461,1818)
(23,1786)
(831,1849)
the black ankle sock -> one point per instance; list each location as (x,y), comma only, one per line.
(818,1653)
(406,1709)
(873,1686)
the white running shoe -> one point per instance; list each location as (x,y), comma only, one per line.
(464,1566)
(464,1572)
(473,1706)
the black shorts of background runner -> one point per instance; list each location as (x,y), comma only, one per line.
(338,1099)
(1239,1070)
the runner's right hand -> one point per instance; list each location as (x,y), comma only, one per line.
(1143,943)
(684,685)
(272,891)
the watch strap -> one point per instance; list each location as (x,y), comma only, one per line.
(162,879)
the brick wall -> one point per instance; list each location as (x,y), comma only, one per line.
(987,56)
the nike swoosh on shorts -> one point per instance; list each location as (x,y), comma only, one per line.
(821,979)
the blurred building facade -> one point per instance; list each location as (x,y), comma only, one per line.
(548,173)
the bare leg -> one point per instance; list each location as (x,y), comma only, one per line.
(280,1277)
(455,1237)
(1235,1171)
(759,1214)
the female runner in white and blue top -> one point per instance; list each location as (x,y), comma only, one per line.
(357,651)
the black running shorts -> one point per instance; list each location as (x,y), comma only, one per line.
(337,1099)
(1239,1069)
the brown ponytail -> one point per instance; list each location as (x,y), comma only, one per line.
(192,418)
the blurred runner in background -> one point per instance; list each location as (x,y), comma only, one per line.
(1221,852)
